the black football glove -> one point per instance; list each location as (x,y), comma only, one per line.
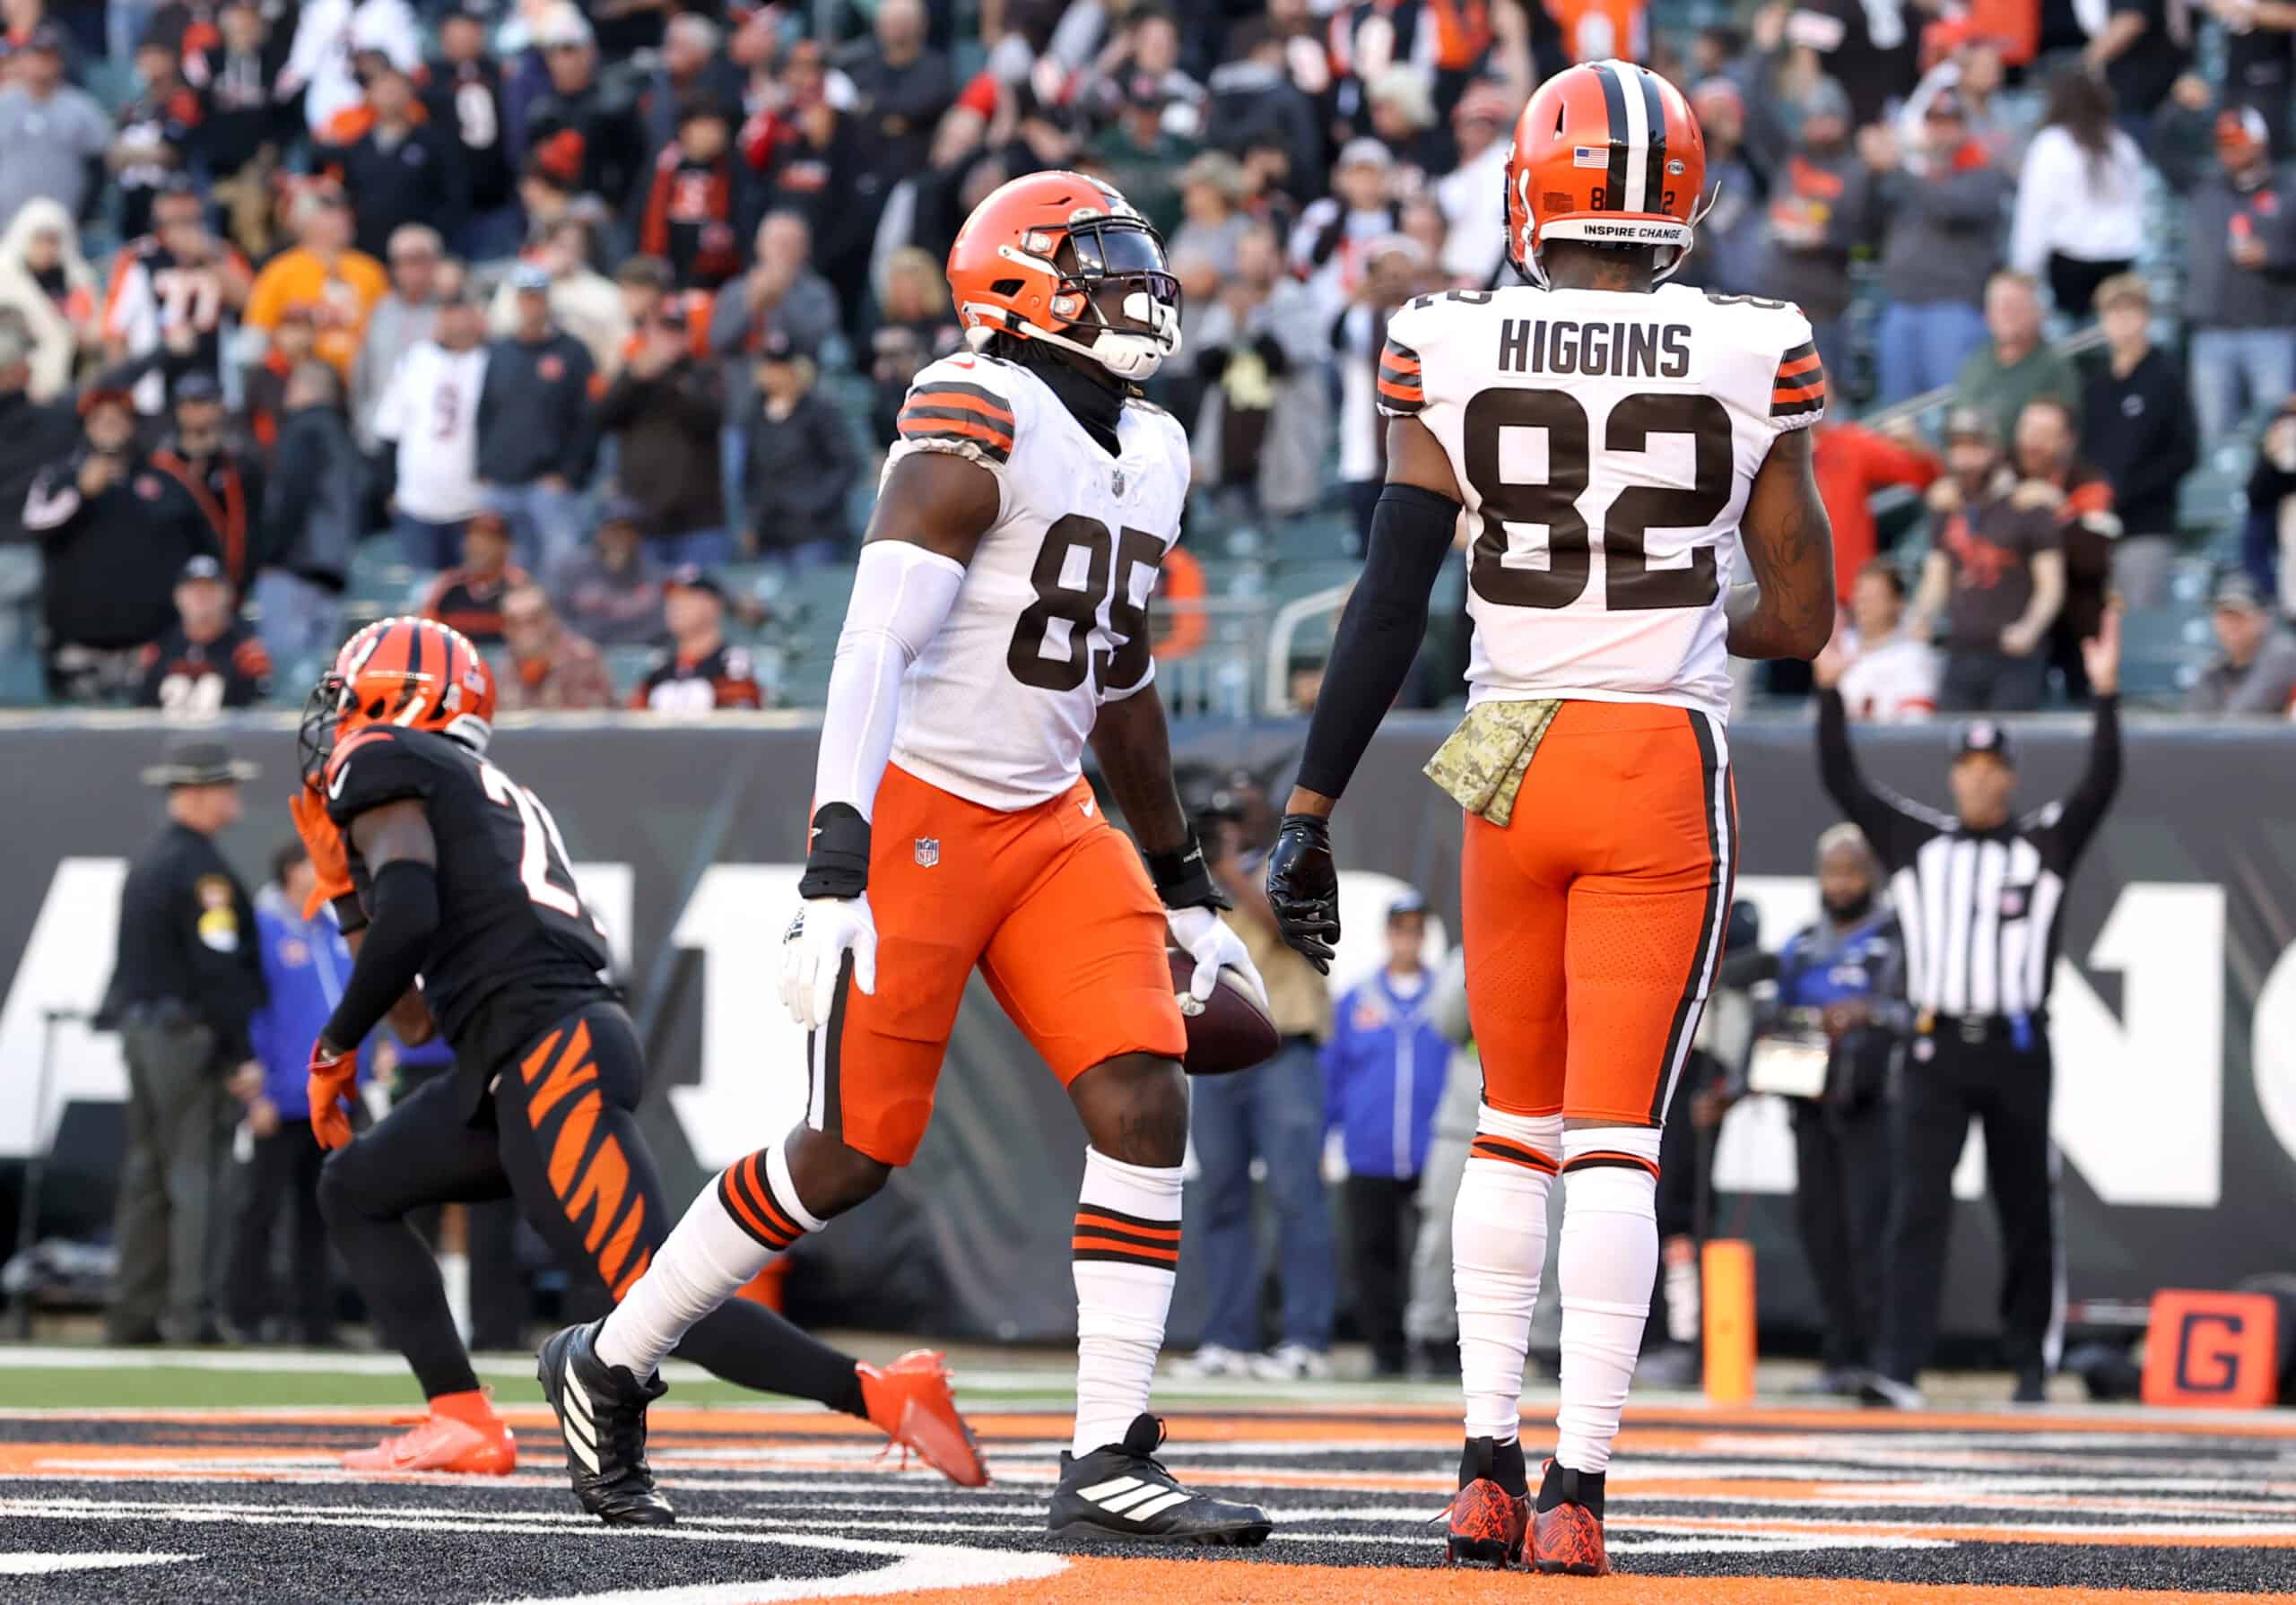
(1303,888)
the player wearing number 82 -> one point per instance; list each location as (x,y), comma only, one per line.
(1611,445)
(442,867)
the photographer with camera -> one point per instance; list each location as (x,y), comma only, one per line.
(1273,1112)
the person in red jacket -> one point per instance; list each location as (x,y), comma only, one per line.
(1851,463)
(694,210)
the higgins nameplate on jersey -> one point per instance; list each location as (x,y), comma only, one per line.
(1595,351)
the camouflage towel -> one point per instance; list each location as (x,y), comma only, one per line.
(1481,763)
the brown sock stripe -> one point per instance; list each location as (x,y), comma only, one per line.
(1137,1223)
(1599,1161)
(1512,1153)
(753,1215)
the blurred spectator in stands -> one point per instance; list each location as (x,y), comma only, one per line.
(781,289)
(2239,282)
(2015,367)
(305,963)
(2142,47)
(1385,1065)
(901,87)
(535,435)
(33,433)
(2258,60)
(227,485)
(2268,533)
(1995,577)
(1360,337)
(209,658)
(1175,621)
(1972,70)
(799,462)
(1328,246)
(583,301)
(462,93)
(2080,214)
(1472,195)
(2137,425)
(1817,213)
(51,132)
(611,589)
(115,533)
(1938,205)
(2254,670)
(404,169)
(698,672)
(46,282)
(690,64)
(313,517)
(2081,498)
(551,666)
(915,326)
(401,321)
(330,35)
(428,417)
(155,134)
(1886,676)
(175,294)
(263,388)
(323,273)
(664,413)
(469,596)
(1257,97)
(1211,189)
(697,206)
(238,70)
(1401,101)
(1728,257)
(1259,440)
(1148,140)
(1851,464)
(809,151)
(598,110)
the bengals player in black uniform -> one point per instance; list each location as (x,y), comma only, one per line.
(450,877)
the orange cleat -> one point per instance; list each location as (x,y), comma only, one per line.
(910,1400)
(1567,1537)
(1487,1526)
(462,1434)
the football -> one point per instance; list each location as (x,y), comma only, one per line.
(1230,1033)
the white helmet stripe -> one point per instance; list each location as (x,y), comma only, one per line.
(1638,196)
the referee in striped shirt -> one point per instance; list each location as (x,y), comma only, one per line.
(1979,893)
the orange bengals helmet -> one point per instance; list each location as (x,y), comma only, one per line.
(416,673)
(1607,152)
(1033,255)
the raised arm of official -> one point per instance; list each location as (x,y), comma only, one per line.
(1788,611)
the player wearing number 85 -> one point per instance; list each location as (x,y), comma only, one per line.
(443,870)
(998,623)
(1612,447)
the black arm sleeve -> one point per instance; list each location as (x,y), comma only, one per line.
(1894,830)
(1379,633)
(398,940)
(2072,822)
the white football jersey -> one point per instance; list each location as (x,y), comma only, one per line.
(1893,682)
(1052,618)
(1604,444)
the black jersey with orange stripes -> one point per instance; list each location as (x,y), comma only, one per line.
(515,949)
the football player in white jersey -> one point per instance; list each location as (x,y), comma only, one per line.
(998,623)
(1611,445)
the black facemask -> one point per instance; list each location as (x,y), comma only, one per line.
(1848,911)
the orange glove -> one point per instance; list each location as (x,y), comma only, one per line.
(324,842)
(333,1078)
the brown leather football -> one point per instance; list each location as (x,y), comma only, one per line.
(1230,1033)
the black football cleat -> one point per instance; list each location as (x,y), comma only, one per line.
(602,1414)
(1121,1491)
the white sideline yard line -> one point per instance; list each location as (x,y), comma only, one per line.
(95,1560)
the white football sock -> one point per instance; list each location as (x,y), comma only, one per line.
(1609,1260)
(738,1226)
(1127,1250)
(1498,1248)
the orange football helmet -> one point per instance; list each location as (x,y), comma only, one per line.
(416,673)
(1607,152)
(1033,256)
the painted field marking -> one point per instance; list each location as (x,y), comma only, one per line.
(40,1566)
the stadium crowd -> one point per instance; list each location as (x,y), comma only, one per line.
(570,309)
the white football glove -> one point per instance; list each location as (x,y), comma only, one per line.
(812,955)
(1207,940)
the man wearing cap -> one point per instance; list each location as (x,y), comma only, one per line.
(666,411)
(1980,892)
(2239,298)
(187,974)
(598,107)
(1994,575)
(2255,672)
(1331,246)
(402,169)
(1817,212)
(2137,427)
(428,417)
(468,597)
(1938,202)
(115,533)
(211,658)
(611,589)
(49,130)
(226,486)
(536,439)
(798,459)
(698,672)
(551,666)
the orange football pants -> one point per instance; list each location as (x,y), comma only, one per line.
(1593,919)
(1052,903)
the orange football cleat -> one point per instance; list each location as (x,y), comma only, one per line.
(1567,1537)
(910,1400)
(462,1434)
(1487,1525)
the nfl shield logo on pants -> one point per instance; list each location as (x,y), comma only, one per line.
(928,852)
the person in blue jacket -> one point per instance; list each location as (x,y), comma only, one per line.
(1384,1067)
(305,963)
